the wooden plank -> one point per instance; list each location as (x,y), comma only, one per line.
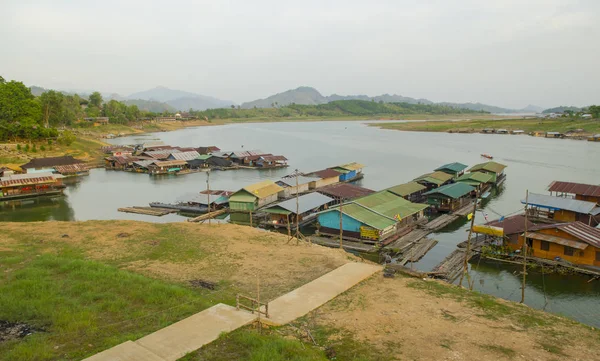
(209,215)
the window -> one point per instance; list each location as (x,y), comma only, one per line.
(598,256)
(569,251)
(545,246)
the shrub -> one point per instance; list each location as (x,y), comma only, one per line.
(42,148)
(26,147)
(19,147)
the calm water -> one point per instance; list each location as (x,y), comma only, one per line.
(392,157)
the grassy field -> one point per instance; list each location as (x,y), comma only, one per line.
(527,125)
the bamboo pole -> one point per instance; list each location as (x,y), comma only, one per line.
(297,210)
(341,225)
(468,249)
(525,249)
(208,193)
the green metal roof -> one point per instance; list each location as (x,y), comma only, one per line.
(477,177)
(341,170)
(454,190)
(488,166)
(278,210)
(366,216)
(452,167)
(242,196)
(204,156)
(390,205)
(437,177)
(407,188)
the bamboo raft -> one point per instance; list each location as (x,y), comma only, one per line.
(150,211)
(210,215)
(418,250)
(348,245)
(408,240)
(440,222)
(452,266)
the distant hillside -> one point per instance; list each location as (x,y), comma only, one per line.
(150,105)
(561,109)
(180,100)
(311,96)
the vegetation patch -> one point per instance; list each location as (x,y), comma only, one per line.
(507,352)
(553,348)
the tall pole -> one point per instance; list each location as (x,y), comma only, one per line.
(297,210)
(341,224)
(258,301)
(525,248)
(208,194)
(468,250)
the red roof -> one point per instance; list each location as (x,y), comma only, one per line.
(513,224)
(26,181)
(325,173)
(575,188)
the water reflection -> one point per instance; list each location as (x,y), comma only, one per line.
(51,208)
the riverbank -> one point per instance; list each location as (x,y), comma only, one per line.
(578,127)
(86,286)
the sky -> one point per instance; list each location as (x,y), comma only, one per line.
(508,53)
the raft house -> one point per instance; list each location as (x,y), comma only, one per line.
(323,178)
(293,185)
(480,180)
(349,172)
(65,165)
(302,209)
(494,168)
(202,202)
(411,191)
(435,179)
(594,138)
(579,191)
(455,169)
(377,218)
(450,197)
(560,209)
(250,198)
(167,167)
(19,186)
(342,192)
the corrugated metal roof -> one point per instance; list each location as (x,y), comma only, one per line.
(325,173)
(246,153)
(513,224)
(143,163)
(306,203)
(575,188)
(454,190)
(161,154)
(489,166)
(169,163)
(478,177)
(263,189)
(26,181)
(390,205)
(407,188)
(351,166)
(440,176)
(453,167)
(73,168)
(554,203)
(273,158)
(49,162)
(291,181)
(189,155)
(366,216)
(430,180)
(556,239)
(345,191)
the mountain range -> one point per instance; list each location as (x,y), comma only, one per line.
(310,96)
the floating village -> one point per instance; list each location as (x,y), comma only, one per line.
(326,207)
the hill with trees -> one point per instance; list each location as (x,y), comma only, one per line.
(180,100)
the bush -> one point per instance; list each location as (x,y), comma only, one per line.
(49,141)
(66,138)
(26,148)
(18,147)
(42,148)
(34,149)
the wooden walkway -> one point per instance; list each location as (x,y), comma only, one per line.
(175,341)
(209,215)
(348,245)
(452,266)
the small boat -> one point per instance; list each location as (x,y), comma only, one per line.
(488,156)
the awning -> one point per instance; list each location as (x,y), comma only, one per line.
(557,240)
(490,230)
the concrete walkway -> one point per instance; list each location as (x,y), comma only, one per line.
(175,341)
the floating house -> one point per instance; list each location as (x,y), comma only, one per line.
(450,197)
(594,138)
(303,210)
(480,180)
(208,150)
(574,242)
(167,167)
(493,168)
(8,170)
(411,191)
(186,155)
(554,135)
(560,209)
(217,199)
(141,166)
(502,131)
(154,144)
(121,162)
(579,191)
(271,161)
(488,131)
(455,169)
(503,231)
(517,132)
(159,154)
(435,179)
(376,218)
(323,178)
(19,186)
(349,172)
(344,191)
(290,188)
(73,170)
(249,199)
(46,165)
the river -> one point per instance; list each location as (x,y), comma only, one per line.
(391,157)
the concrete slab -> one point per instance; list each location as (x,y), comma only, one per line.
(175,341)
(127,351)
(314,294)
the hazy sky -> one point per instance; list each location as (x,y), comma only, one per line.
(502,52)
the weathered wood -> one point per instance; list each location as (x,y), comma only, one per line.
(150,211)
(209,215)
(348,245)
(418,250)
(451,267)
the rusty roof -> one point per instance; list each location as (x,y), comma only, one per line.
(512,225)
(325,173)
(575,188)
(73,168)
(581,231)
(51,162)
(27,181)
(345,191)
(169,163)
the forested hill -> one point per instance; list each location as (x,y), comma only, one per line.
(339,108)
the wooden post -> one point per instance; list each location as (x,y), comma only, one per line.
(288,227)
(525,249)
(341,225)
(258,301)
(468,249)
(250,218)
(208,194)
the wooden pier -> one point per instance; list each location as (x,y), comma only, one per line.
(452,266)
(150,211)
(210,215)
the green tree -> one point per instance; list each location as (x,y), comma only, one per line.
(17,103)
(52,107)
(66,138)
(96,100)
(594,110)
